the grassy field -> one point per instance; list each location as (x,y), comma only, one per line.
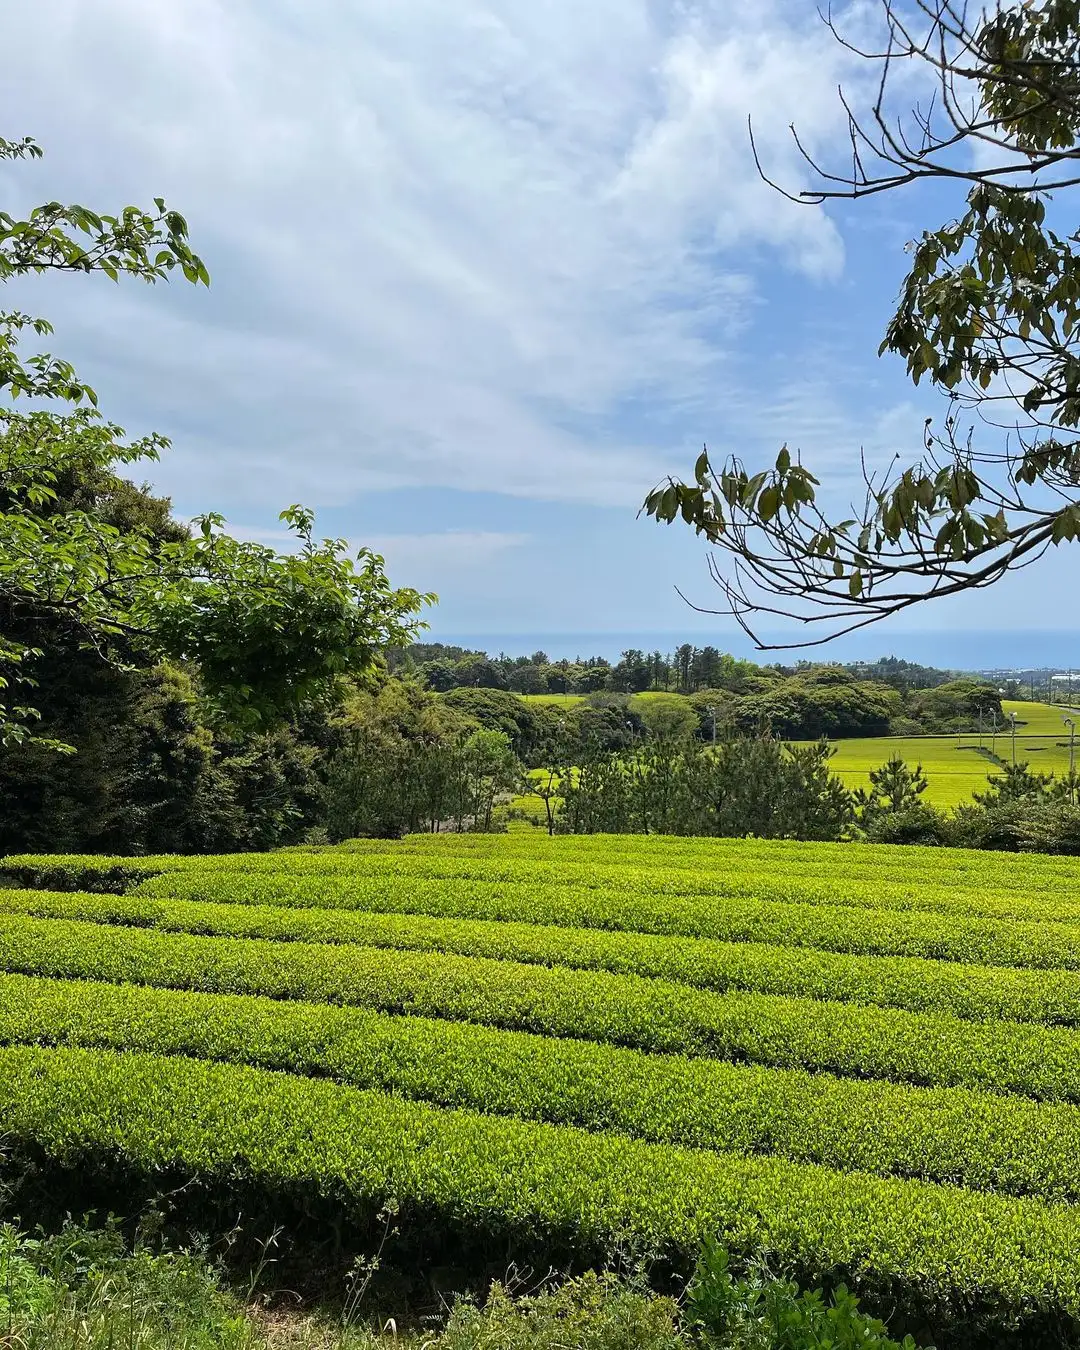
(1039,719)
(956,766)
(865,1060)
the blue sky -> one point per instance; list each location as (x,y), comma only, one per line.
(483,273)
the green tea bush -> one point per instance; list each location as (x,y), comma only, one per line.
(649,1012)
(461,1177)
(823,927)
(982,1140)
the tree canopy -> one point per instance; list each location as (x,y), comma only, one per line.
(264,632)
(989,314)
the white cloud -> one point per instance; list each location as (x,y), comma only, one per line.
(412,559)
(451,243)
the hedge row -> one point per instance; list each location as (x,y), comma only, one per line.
(459,1173)
(835,928)
(633,906)
(1028,896)
(544,868)
(82,872)
(978,1140)
(883,861)
(647,1014)
(546,862)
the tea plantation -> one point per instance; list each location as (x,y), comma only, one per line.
(863,1061)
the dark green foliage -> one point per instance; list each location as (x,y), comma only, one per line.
(957,705)
(528,728)
(918,823)
(822,703)
(763,1313)
(408,762)
(750,785)
(895,790)
(149,776)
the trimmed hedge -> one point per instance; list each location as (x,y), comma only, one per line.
(841,877)
(975,1139)
(880,862)
(648,1014)
(344,1151)
(978,941)
(84,872)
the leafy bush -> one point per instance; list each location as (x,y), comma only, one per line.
(919,823)
(762,1313)
(84,1290)
(982,1140)
(743,786)
(462,1178)
(734,919)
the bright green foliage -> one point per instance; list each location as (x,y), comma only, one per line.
(85,1290)
(763,1313)
(345,1150)
(982,1140)
(692,904)
(823,927)
(268,632)
(782,1007)
(561,1045)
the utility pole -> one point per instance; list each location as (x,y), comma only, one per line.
(1012,719)
(1070,722)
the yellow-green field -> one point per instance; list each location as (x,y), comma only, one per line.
(1039,719)
(954,766)
(957,766)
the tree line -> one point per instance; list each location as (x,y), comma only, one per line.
(685,670)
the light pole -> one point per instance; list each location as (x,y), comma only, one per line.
(1070,722)
(1012,719)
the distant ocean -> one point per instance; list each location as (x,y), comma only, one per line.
(1017,650)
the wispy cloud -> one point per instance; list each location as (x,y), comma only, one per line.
(450,242)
